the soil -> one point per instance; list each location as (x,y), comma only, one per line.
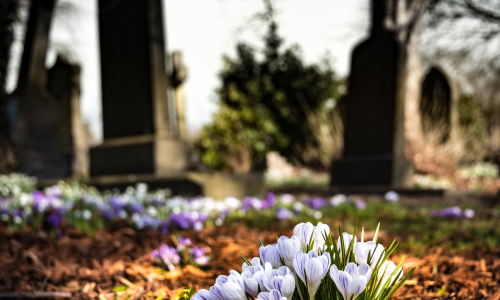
(92,267)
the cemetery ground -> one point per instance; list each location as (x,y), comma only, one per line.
(455,258)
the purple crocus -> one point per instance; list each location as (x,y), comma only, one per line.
(55,218)
(199,256)
(182,243)
(317,203)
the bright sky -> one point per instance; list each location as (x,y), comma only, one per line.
(204,30)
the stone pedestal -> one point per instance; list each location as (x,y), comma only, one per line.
(135,105)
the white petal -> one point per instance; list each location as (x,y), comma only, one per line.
(263,296)
(233,291)
(314,273)
(352,269)
(251,286)
(299,263)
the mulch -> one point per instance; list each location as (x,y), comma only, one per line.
(92,267)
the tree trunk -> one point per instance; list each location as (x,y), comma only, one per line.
(8,16)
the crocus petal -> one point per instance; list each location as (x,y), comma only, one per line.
(356,287)
(325,262)
(259,277)
(202,295)
(352,269)
(288,286)
(233,291)
(303,231)
(216,293)
(263,296)
(274,295)
(333,271)
(365,270)
(288,248)
(361,251)
(314,273)
(251,286)
(319,232)
(270,254)
(342,280)
(299,263)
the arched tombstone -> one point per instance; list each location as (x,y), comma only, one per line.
(438,106)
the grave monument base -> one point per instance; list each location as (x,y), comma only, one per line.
(372,170)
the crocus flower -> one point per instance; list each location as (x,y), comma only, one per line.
(270,254)
(391,196)
(255,262)
(352,281)
(288,247)
(283,214)
(347,239)
(313,267)
(169,256)
(274,277)
(338,199)
(233,288)
(362,250)
(304,232)
(360,204)
(253,279)
(182,243)
(320,231)
(468,214)
(284,284)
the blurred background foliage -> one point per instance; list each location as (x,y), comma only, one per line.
(271,100)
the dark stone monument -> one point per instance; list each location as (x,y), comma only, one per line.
(135,107)
(374,136)
(64,86)
(33,111)
(438,106)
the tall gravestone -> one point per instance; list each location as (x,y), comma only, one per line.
(34,113)
(135,107)
(374,136)
(64,85)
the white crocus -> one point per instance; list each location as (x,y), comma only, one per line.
(270,273)
(288,247)
(228,287)
(387,274)
(253,279)
(313,267)
(362,250)
(270,254)
(304,232)
(352,281)
(255,262)
(320,231)
(347,239)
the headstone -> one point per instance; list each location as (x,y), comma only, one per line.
(438,106)
(135,107)
(374,136)
(33,111)
(64,86)
(179,75)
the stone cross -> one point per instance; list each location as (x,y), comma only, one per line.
(381,83)
(179,75)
